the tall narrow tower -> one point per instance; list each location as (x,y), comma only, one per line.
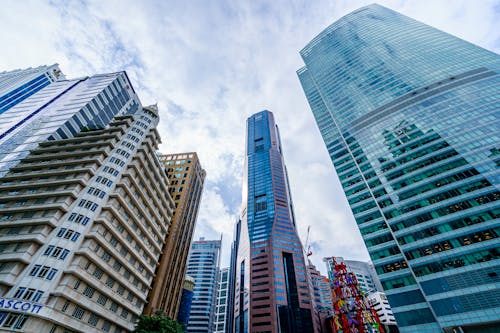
(271,289)
(203,266)
(186,178)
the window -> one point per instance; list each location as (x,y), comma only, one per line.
(61,232)
(124,313)
(38,295)
(64,254)
(78,312)
(98,273)
(102,299)
(28,294)
(77,284)
(105,256)
(65,306)
(110,282)
(49,250)
(57,252)
(35,270)
(93,319)
(11,319)
(75,236)
(20,291)
(114,306)
(106,326)
(89,291)
(52,273)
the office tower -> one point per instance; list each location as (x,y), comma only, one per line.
(221,322)
(186,301)
(232,277)
(62,109)
(322,297)
(18,85)
(378,301)
(409,116)
(203,266)
(365,274)
(352,312)
(272,291)
(186,178)
(83,221)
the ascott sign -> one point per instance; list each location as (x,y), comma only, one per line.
(19,305)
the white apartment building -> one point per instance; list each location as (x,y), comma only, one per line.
(84,214)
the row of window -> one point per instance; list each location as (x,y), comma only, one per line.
(56,252)
(476,237)
(138,131)
(458,261)
(133,138)
(457,207)
(96,192)
(28,294)
(12,320)
(128,145)
(467,188)
(123,153)
(88,204)
(146,119)
(117,161)
(68,234)
(78,218)
(111,171)
(44,272)
(104,180)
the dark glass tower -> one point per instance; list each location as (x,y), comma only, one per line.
(410,118)
(271,289)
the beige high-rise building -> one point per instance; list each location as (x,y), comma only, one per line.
(186,184)
(83,222)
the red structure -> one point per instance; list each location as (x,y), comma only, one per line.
(351,312)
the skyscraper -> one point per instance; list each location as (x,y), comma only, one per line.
(17,85)
(409,115)
(57,109)
(221,320)
(322,297)
(271,289)
(203,266)
(232,277)
(186,178)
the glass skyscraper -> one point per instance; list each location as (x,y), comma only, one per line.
(203,267)
(410,117)
(271,288)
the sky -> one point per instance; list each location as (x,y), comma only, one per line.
(210,65)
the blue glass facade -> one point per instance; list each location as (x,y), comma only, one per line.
(185,307)
(20,84)
(59,110)
(271,289)
(22,92)
(410,118)
(203,267)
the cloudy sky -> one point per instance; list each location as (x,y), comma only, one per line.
(209,65)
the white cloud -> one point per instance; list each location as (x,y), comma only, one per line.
(210,65)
